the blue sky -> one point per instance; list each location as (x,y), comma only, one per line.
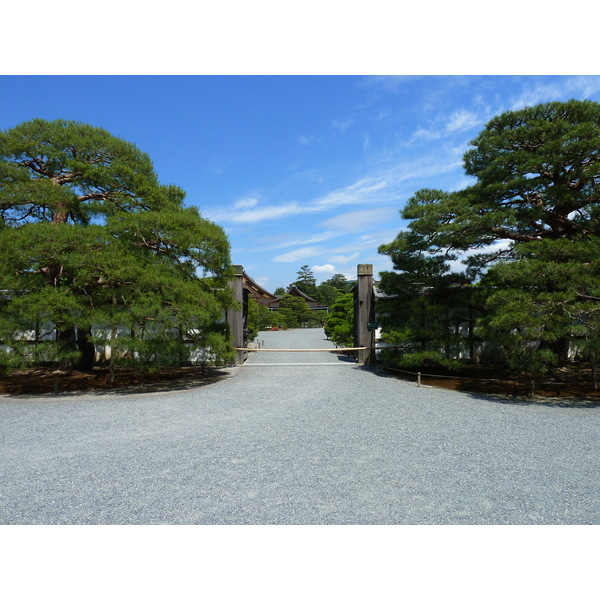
(299,170)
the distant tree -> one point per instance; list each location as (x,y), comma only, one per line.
(279,291)
(316,318)
(339,282)
(306,281)
(326,294)
(265,317)
(293,311)
(253,318)
(93,245)
(339,326)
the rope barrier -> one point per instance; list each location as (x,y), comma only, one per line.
(438,376)
(419,375)
(298,349)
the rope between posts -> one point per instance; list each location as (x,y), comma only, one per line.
(419,375)
(299,349)
(432,375)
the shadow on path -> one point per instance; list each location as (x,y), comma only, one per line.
(515,394)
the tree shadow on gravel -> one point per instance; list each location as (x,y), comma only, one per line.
(576,392)
(45,382)
(536,400)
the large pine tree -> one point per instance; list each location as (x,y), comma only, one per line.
(93,245)
(531,223)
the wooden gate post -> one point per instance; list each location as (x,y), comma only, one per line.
(235,318)
(364,311)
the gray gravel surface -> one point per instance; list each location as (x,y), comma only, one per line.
(298,438)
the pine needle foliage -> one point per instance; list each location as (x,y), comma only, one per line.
(527,232)
(97,252)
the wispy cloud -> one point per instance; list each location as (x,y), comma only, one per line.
(444,126)
(342,125)
(284,241)
(364,242)
(360,220)
(246,203)
(380,115)
(264,281)
(299,253)
(305,140)
(549,90)
(240,216)
(342,259)
(389,83)
(219,166)
(386,187)
(462,120)
(368,189)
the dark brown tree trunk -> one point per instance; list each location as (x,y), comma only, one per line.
(88,351)
(66,340)
(559,347)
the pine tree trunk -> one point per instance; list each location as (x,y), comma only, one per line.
(558,347)
(66,340)
(86,347)
(113,335)
(471,336)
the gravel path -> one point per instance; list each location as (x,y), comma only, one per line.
(291,442)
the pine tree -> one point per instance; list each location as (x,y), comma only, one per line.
(93,245)
(293,311)
(531,225)
(339,326)
(306,281)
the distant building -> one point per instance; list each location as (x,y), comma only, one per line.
(257,292)
(262,296)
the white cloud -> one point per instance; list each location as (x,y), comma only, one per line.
(366,189)
(426,134)
(390,83)
(386,187)
(349,275)
(443,126)
(263,281)
(323,269)
(306,140)
(246,203)
(298,254)
(343,259)
(462,120)
(382,114)
(254,215)
(219,166)
(548,91)
(284,241)
(342,125)
(540,93)
(363,244)
(360,220)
